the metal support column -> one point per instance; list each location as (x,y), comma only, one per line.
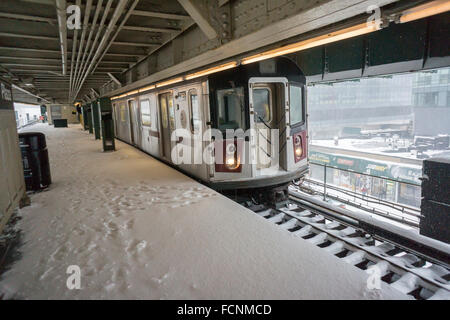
(89,118)
(96,120)
(85,117)
(107,124)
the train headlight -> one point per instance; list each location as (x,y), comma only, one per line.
(298,151)
(298,148)
(230,162)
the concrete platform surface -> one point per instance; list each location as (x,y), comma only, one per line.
(138,229)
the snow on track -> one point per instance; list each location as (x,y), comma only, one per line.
(139,229)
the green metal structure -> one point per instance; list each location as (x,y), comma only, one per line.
(96,119)
(107,124)
(89,118)
(85,117)
(414,46)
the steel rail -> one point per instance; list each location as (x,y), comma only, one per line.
(347,238)
(411,219)
(129,13)
(116,15)
(376,258)
(83,34)
(428,249)
(91,32)
(97,36)
(72,60)
(62,25)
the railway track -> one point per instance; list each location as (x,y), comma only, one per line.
(413,268)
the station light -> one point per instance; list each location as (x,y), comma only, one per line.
(346,33)
(132,92)
(147,88)
(171,81)
(222,67)
(426,10)
(419,12)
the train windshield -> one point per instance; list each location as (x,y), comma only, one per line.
(261,102)
(231,109)
(296,104)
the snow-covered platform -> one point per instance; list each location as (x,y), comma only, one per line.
(140,229)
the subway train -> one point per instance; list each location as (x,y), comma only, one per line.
(232,126)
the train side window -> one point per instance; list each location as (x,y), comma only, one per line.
(195,113)
(261,103)
(171,111)
(123,112)
(163,103)
(145,113)
(230,109)
(296,104)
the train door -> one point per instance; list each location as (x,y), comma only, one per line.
(183,136)
(167,121)
(196,120)
(189,141)
(268,121)
(149,124)
(124,123)
(263,95)
(134,122)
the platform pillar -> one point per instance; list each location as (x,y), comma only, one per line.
(96,120)
(107,124)
(89,118)
(85,117)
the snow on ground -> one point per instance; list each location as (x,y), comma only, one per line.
(139,229)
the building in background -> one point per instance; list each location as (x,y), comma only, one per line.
(68,112)
(26,114)
(404,116)
(431,100)
(350,108)
(412,104)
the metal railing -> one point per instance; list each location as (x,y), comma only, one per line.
(398,212)
(21,124)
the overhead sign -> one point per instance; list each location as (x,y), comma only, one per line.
(6,101)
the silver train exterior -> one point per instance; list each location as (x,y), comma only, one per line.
(191,124)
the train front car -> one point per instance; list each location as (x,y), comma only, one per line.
(258,112)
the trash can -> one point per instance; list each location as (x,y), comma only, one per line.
(36,165)
(60,123)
